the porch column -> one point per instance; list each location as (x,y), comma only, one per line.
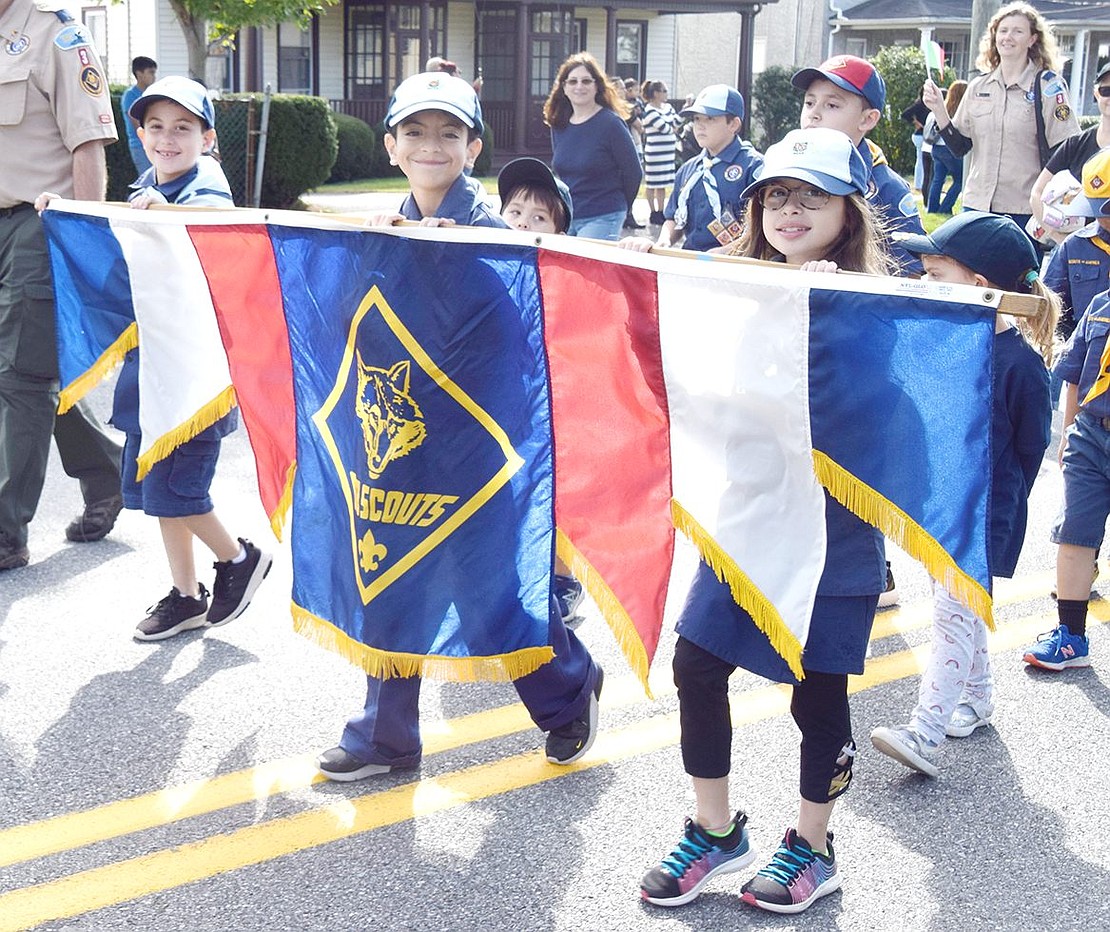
(523,91)
(1077,87)
(744,71)
(610,40)
(425,33)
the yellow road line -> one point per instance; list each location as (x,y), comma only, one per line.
(200,797)
(167,869)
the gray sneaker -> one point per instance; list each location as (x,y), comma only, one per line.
(907,747)
(965,720)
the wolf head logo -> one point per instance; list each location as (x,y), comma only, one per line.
(392,423)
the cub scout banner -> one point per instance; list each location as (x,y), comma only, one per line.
(447,398)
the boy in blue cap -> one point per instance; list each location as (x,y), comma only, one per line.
(1084,452)
(705,205)
(434,124)
(848,94)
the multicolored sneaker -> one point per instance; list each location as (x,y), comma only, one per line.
(907,747)
(795,879)
(569,595)
(698,856)
(1059,649)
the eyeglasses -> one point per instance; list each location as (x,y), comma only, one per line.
(1103,90)
(776,197)
(574,81)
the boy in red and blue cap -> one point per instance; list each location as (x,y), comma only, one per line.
(848,94)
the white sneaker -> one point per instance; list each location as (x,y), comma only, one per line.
(965,720)
(907,747)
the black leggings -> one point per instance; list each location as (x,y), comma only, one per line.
(819,706)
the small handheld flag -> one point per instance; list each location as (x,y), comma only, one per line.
(934,58)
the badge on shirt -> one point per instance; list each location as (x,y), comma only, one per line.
(91,81)
(908,206)
(1031,95)
(17,46)
(72,37)
(1062,112)
(84,57)
(733,173)
(1054,86)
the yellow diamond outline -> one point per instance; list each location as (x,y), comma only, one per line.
(374,299)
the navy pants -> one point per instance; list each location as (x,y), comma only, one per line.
(387,730)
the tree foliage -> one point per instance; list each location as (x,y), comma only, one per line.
(775,106)
(204,21)
(903,69)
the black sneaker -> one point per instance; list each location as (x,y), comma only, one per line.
(12,555)
(631,223)
(567,744)
(569,595)
(343,767)
(95,521)
(174,614)
(236,583)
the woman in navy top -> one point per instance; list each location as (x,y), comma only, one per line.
(592,150)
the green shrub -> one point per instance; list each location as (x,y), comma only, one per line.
(300,145)
(775,106)
(903,70)
(121,170)
(484,162)
(356,145)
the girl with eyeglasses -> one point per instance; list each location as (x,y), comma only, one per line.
(808,208)
(592,149)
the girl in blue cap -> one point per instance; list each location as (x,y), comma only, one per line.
(988,251)
(808,208)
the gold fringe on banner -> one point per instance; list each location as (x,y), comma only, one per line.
(281,510)
(744,591)
(618,620)
(878,511)
(183,433)
(385,665)
(99,370)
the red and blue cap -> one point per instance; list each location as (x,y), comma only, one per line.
(717,100)
(850,74)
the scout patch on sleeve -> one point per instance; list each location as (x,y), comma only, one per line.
(908,206)
(91,81)
(1062,112)
(72,37)
(1052,85)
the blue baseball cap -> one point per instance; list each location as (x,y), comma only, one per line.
(435,90)
(532,172)
(184,92)
(826,158)
(991,245)
(849,73)
(717,100)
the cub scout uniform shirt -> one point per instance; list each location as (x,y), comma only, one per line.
(53,98)
(1001,123)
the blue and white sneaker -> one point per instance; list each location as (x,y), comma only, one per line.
(569,594)
(680,876)
(795,879)
(1059,649)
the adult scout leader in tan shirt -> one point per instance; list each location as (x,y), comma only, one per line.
(55,118)
(997,119)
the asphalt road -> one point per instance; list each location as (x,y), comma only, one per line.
(170,786)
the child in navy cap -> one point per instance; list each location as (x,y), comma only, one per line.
(956,695)
(848,94)
(706,205)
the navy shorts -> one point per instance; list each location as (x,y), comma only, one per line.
(1082,520)
(175,487)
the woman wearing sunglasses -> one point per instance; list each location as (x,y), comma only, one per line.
(592,149)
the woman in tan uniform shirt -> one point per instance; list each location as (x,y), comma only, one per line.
(997,120)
